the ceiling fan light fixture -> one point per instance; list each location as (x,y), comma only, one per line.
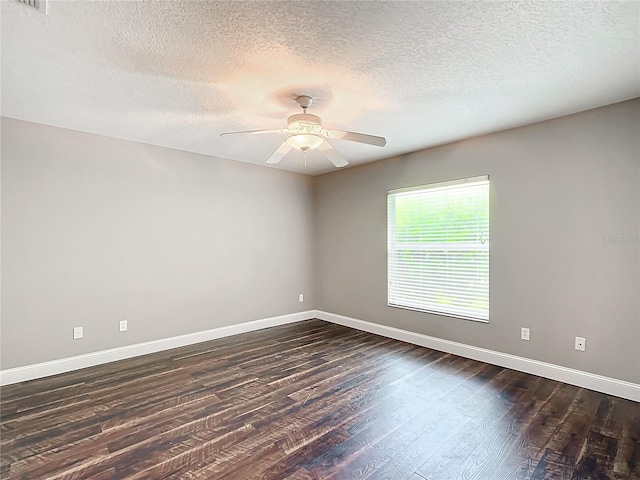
(305,141)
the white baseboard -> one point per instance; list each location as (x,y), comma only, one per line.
(54,367)
(599,383)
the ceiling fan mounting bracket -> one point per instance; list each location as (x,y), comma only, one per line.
(304,101)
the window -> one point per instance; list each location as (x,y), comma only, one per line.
(438,248)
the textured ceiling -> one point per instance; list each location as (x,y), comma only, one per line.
(421,74)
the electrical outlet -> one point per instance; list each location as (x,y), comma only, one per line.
(77,333)
(123,325)
(524,333)
(581,344)
(301,298)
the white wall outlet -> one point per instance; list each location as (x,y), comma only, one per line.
(524,333)
(301,298)
(123,325)
(77,333)
(581,344)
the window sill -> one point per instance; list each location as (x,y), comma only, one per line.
(433,312)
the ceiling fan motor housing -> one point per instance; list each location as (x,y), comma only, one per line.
(304,123)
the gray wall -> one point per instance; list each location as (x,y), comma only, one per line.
(97,230)
(558,188)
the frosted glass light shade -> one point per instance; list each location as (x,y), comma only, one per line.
(305,141)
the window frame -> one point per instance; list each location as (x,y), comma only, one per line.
(392,248)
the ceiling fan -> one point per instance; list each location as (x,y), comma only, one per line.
(307,133)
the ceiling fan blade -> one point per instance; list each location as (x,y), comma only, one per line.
(251,132)
(279,154)
(354,137)
(335,158)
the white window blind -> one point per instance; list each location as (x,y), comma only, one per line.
(438,248)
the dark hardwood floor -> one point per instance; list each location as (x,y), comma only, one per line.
(313,400)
